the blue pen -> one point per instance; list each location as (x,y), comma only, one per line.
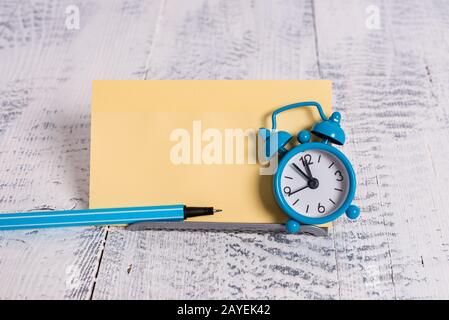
(92,217)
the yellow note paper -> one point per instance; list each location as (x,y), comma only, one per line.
(190,141)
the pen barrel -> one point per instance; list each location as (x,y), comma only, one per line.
(91,217)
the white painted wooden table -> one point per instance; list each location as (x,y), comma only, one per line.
(391,83)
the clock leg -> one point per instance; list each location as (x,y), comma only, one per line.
(353,212)
(292,226)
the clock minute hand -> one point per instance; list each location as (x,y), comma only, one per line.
(298,190)
(301,172)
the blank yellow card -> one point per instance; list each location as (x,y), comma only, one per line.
(177,141)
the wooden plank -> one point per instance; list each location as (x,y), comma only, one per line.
(231,40)
(224,40)
(384,81)
(45,91)
(195,265)
(391,86)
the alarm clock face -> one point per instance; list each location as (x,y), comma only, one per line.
(314,183)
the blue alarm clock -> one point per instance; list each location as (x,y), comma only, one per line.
(314,182)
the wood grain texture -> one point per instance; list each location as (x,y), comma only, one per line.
(224,40)
(45,90)
(389,83)
(194,265)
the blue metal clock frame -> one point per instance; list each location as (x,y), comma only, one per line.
(281,199)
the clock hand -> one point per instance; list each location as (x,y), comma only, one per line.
(297,190)
(306,165)
(300,171)
(313,183)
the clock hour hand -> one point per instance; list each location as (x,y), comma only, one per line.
(300,171)
(307,166)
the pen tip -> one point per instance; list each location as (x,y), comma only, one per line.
(217,210)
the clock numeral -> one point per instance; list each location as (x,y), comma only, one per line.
(339,175)
(306,159)
(287,191)
(321,208)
